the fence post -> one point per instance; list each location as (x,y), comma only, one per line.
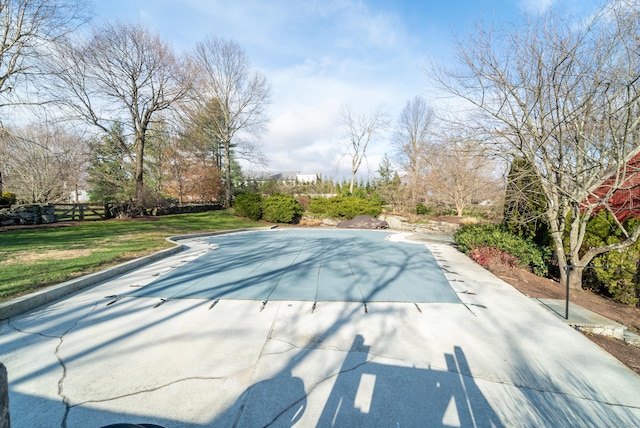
(81,208)
(5,421)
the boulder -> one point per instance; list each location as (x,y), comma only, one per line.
(364,222)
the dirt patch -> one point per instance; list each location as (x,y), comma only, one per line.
(31,256)
(537,287)
(39,226)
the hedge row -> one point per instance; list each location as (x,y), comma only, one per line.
(276,208)
(344,207)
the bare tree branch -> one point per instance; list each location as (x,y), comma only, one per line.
(27,28)
(360,130)
(121,74)
(241,95)
(562,94)
(412,142)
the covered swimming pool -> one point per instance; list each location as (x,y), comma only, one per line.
(308,265)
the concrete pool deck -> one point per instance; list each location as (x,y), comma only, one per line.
(496,358)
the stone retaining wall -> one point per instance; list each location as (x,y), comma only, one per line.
(27,214)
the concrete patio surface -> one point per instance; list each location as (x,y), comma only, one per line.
(497,358)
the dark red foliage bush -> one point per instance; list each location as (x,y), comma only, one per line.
(485,256)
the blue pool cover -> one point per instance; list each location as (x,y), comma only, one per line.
(309,265)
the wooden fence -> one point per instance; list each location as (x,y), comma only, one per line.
(80,212)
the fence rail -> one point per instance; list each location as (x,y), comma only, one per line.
(51,213)
(81,212)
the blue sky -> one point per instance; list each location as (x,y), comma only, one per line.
(320,54)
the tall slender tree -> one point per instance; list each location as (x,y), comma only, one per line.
(360,129)
(411,139)
(237,98)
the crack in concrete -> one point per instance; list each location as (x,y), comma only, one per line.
(153,389)
(313,387)
(65,399)
(531,388)
(31,333)
(308,345)
(547,391)
(255,367)
(318,345)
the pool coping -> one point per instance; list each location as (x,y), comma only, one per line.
(30,301)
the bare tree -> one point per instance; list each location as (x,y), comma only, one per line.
(46,163)
(239,96)
(563,95)
(122,74)
(26,29)
(411,139)
(360,130)
(459,174)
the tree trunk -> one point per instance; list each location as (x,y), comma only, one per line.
(227,172)
(139,173)
(575,278)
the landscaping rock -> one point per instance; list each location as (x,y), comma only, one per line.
(364,222)
(425,226)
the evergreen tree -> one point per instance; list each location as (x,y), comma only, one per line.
(389,186)
(111,171)
(525,203)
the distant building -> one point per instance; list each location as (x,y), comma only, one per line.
(79,197)
(307,178)
(289,177)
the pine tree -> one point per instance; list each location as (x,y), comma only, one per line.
(111,170)
(525,203)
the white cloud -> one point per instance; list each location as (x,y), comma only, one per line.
(536,6)
(316,55)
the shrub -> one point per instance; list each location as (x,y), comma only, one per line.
(249,205)
(281,208)
(422,209)
(7,198)
(616,272)
(484,256)
(344,207)
(474,236)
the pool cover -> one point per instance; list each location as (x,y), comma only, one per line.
(308,265)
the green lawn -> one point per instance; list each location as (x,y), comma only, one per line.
(35,258)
